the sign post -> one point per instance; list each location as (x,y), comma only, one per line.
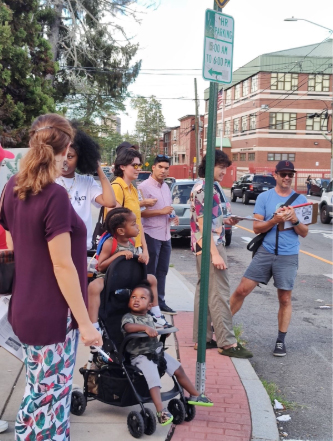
(217,68)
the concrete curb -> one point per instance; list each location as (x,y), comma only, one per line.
(264,427)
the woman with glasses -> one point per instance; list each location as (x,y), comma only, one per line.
(84,156)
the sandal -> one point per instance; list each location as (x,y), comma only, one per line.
(200,400)
(164,417)
(209,345)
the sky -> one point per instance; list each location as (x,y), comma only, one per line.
(171,37)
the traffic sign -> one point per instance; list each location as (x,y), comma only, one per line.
(221,3)
(146,164)
(218,47)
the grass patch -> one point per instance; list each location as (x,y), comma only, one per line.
(238,331)
(275,394)
(171,265)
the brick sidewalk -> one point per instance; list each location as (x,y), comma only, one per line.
(229,419)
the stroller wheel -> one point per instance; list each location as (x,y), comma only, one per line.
(149,420)
(189,411)
(78,403)
(177,409)
(135,424)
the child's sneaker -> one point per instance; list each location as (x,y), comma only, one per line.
(164,417)
(160,322)
(200,400)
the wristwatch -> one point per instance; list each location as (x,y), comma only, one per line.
(294,224)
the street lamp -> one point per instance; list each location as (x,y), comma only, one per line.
(304,19)
(313,116)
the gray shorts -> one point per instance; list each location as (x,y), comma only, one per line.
(264,265)
(150,371)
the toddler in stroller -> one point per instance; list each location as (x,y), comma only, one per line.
(148,353)
(121,227)
(117,382)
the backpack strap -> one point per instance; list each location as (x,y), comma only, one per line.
(114,246)
(292,198)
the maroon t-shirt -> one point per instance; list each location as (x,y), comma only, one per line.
(38,310)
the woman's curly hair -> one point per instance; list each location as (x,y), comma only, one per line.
(87,150)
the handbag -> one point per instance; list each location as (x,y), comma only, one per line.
(7,265)
(256,242)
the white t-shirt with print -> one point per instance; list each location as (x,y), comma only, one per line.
(83,192)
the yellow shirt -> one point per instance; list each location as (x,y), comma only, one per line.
(127,196)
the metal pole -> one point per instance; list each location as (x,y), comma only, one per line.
(331,140)
(200,377)
(197,127)
(221,147)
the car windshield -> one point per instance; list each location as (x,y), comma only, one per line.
(181,193)
(264,180)
(143,176)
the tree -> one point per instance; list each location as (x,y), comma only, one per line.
(94,54)
(25,62)
(150,122)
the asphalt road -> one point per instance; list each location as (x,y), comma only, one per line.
(304,376)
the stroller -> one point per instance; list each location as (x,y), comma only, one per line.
(116,381)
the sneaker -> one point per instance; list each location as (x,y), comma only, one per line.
(280,349)
(167,310)
(164,417)
(3,426)
(236,352)
(209,345)
(160,322)
(200,400)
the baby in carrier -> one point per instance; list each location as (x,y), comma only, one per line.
(120,224)
(145,352)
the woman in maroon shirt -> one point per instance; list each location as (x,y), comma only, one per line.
(49,291)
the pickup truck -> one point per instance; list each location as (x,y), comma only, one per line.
(250,186)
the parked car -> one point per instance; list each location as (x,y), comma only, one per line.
(326,204)
(181,192)
(250,186)
(143,175)
(318,185)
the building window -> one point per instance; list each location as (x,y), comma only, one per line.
(227,128)
(166,150)
(206,106)
(252,122)
(175,135)
(282,121)
(245,87)
(318,123)
(254,83)
(228,97)
(237,91)
(280,156)
(205,133)
(236,125)
(284,81)
(235,156)
(219,130)
(319,83)
(244,123)
(242,157)
(251,156)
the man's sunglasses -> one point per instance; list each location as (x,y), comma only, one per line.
(136,166)
(283,174)
(163,156)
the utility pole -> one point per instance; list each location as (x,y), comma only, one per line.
(197,128)
(331,140)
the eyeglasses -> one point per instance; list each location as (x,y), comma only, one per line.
(137,166)
(283,174)
(163,156)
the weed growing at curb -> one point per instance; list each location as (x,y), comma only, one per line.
(171,265)
(274,394)
(238,331)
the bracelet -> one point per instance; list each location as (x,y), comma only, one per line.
(294,224)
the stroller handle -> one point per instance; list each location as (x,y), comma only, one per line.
(162,331)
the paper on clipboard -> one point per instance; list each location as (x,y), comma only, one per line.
(306,213)
(249,218)
(8,339)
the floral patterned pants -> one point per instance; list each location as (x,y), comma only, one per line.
(44,411)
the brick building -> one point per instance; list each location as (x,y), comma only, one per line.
(266,110)
(179,141)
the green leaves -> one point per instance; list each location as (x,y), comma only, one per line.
(40,420)
(48,357)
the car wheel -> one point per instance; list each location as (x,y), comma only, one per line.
(324,215)
(233,197)
(228,235)
(245,198)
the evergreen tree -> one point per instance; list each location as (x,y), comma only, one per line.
(25,63)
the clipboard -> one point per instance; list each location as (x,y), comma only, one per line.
(306,213)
